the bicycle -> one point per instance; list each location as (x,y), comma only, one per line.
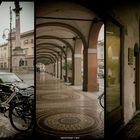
(19,105)
(101,100)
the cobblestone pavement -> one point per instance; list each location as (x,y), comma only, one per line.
(65,112)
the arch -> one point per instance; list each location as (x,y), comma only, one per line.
(45,59)
(52,54)
(50,50)
(66,26)
(57,52)
(54,37)
(92,56)
(85,71)
(52,45)
(48,56)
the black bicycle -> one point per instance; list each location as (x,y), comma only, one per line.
(21,116)
(101,100)
(20,104)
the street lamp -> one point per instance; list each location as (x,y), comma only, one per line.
(10,38)
(4,36)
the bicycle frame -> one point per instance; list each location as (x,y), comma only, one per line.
(6,104)
(101,97)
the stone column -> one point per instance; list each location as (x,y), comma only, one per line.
(69,60)
(17,13)
(51,68)
(63,71)
(59,69)
(92,57)
(54,69)
(78,62)
(92,70)
(18,54)
(78,71)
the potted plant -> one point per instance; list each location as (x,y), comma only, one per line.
(67,66)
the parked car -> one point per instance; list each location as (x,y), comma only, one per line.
(7,79)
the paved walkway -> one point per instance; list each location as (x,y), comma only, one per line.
(64,112)
(6,130)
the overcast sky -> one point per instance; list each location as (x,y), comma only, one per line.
(26,17)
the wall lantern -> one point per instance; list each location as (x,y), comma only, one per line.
(130,56)
(136,49)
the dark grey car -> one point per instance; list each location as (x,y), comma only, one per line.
(12,79)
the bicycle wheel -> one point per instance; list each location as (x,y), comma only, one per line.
(101,99)
(21,117)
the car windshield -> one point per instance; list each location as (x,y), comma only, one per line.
(9,78)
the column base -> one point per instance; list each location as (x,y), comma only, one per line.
(93,87)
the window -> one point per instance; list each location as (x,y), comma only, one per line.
(113,92)
(5,65)
(32,41)
(21,62)
(25,41)
(26,63)
(1,65)
(26,51)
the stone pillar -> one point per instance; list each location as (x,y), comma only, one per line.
(59,69)
(18,54)
(92,70)
(69,71)
(69,60)
(92,57)
(78,63)
(54,69)
(50,68)
(78,71)
(63,71)
(17,13)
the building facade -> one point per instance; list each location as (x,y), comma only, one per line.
(4,57)
(122,65)
(26,62)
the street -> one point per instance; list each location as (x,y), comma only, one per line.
(27,78)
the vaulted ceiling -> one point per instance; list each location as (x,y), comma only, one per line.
(57,26)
